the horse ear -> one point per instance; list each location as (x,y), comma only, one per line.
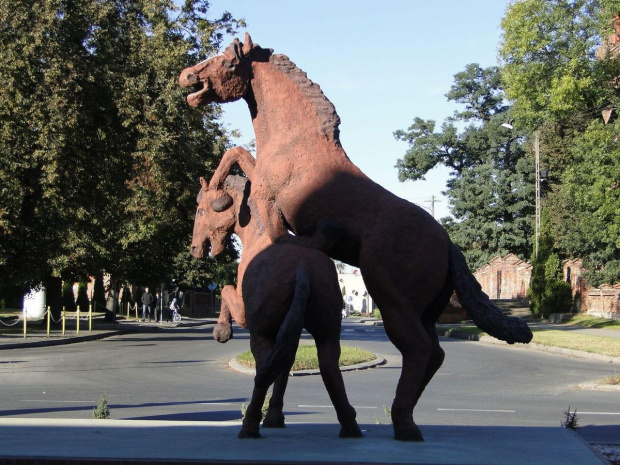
(247,45)
(204,183)
(222,203)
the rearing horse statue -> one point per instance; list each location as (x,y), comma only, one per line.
(302,180)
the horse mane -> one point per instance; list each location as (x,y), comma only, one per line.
(324,108)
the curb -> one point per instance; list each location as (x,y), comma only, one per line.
(455,334)
(234,365)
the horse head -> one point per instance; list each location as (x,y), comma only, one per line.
(223,78)
(215,219)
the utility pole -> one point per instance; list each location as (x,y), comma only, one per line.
(432,201)
(537,226)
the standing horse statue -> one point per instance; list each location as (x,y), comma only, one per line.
(281,289)
(303,181)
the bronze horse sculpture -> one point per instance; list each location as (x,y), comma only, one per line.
(282,288)
(303,181)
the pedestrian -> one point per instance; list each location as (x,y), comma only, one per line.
(155,304)
(147,300)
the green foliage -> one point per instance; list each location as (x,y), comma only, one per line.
(548,52)
(377,314)
(100,154)
(588,202)
(491,187)
(548,293)
(102,411)
(559,80)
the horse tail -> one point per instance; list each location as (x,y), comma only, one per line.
(478,306)
(287,341)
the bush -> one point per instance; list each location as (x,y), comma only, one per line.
(558,298)
(376,314)
(102,411)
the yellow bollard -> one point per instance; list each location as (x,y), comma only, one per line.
(25,324)
(136,309)
(90,318)
(128,309)
(49,320)
(77,321)
(63,321)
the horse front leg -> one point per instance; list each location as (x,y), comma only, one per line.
(232,308)
(237,155)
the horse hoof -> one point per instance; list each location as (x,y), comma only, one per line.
(244,434)
(354,432)
(410,433)
(274,421)
(222,332)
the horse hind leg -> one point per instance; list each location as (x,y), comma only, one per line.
(409,336)
(250,428)
(329,353)
(275,416)
(429,320)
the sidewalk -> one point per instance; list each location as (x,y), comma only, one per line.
(37,337)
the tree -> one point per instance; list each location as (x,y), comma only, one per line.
(560,73)
(99,154)
(491,185)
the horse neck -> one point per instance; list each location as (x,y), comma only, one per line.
(282,108)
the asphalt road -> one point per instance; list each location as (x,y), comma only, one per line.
(182,374)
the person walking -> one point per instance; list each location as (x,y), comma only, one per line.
(147,300)
(155,306)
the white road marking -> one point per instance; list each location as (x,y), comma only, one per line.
(331,406)
(59,401)
(215,403)
(474,410)
(599,413)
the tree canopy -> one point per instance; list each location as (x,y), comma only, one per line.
(99,153)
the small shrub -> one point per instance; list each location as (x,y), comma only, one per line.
(570,419)
(376,314)
(102,411)
(264,408)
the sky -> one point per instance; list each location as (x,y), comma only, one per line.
(381,63)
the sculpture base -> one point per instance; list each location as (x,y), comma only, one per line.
(131,441)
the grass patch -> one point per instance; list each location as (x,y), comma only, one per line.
(611,380)
(586,343)
(466,329)
(589,321)
(307,359)
(557,338)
